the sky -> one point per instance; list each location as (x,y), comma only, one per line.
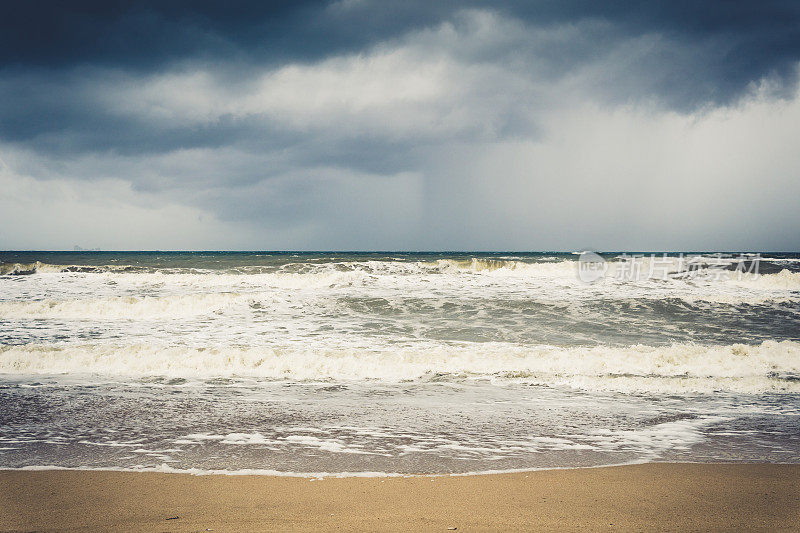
(366,125)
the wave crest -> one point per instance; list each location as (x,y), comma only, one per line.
(121,307)
(770,366)
(785,280)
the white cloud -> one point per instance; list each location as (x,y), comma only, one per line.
(423,85)
(390,91)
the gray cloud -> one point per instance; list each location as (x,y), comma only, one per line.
(363,125)
(736,42)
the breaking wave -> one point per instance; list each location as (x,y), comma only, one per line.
(122,307)
(769,366)
(676,267)
(37,267)
(671,268)
(783,280)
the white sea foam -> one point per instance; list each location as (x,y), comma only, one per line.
(394,321)
(648,265)
(784,280)
(37,267)
(125,307)
(157,295)
(770,366)
(443,351)
(311,476)
(165,468)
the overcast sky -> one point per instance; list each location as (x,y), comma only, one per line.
(358,124)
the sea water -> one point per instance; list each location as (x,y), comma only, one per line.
(363,363)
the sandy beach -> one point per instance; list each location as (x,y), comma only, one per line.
(637,497)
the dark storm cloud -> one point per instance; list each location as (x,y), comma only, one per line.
(741,41)
(281,113)
(58,118)
(51,52)
(60,114)
(144,34)
(715,51)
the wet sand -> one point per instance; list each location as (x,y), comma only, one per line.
(638,497)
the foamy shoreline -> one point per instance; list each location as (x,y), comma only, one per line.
(166,469)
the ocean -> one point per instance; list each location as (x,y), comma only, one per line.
(300,363)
